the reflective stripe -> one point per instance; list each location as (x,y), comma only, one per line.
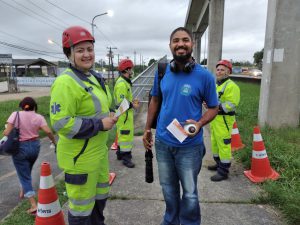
(215,155)
(81,213)
(61,123)
(95,100)
(47,210)
(257,137)
(46,182)
(75,128)
(259,154)
(102,185)
(225,108)
(225,161)
(122,149)
(82,202)
(102,196)
(235,131)
(125,143)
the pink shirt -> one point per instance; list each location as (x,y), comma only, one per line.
(30,124)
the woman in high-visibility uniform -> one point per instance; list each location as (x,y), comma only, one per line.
(221,126)
(79,113)
(125,124)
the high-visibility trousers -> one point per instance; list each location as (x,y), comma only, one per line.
(220,130)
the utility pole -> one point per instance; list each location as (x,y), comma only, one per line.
(110,59)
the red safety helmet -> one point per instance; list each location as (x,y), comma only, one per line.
(75,35)
(226,63)
(125,64)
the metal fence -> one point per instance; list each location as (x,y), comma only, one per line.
(141,85)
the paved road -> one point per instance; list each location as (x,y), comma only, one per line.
(9,184)
(24,92)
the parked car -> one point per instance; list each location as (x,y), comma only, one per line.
(255,72)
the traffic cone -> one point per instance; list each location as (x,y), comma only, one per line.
(260,165)
(236,141)
(112,177)
(114,146)
(49,211)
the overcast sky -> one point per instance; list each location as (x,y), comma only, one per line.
(142,26)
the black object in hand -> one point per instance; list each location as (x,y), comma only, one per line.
(149,166)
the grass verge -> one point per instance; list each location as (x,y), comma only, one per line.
(282,146)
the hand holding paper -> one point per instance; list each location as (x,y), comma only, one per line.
(177,130)
(122,108)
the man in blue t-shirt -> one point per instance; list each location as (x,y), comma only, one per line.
(184,87)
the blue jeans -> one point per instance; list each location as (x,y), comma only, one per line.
(23,161)
(180,165)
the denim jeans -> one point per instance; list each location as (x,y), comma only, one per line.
(180,166)
(23,161)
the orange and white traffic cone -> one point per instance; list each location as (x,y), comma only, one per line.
(260,165)
(114,145)
(49,211)
(112,177)
(236,141)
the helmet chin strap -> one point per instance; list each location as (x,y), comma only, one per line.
(222,77)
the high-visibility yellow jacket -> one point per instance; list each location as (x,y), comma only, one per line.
(125,126)
(229,96)
(78,103)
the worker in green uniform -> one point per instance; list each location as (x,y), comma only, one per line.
(221,127)
(80,115)
(125,126)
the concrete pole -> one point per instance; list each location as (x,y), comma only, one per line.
(279,103)
(197,47)
(215,33)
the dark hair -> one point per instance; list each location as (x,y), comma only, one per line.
(181,29)
(28,104)
(67,51)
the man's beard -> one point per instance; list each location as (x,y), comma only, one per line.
(182,58)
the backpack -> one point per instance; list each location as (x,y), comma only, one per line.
(161,72)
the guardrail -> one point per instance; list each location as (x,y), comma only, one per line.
(141,85)
(247,78)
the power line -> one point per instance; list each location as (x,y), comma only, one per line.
(45,11)
(67,12)
(29,14)
(28,49)
(26,41)
(37,13)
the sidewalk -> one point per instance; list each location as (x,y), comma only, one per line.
(135,202)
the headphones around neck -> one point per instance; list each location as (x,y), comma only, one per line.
(188,67)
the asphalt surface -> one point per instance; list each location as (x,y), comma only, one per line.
(9,183)
(135,202)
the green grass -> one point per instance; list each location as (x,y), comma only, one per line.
(282,147)
(19,215)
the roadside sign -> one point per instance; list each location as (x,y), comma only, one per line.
(6,59)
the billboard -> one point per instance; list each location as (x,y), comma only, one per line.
(6,59)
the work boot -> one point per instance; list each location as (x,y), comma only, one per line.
(213,167)
(218,177)
(127,160)
(119,154)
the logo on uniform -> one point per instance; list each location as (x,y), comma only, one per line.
(186,90)
(55,108)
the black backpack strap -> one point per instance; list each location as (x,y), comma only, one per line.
(161,69)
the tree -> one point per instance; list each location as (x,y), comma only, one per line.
(203,62)
(151,61)
(258,58)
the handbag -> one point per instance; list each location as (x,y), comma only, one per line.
(10,146)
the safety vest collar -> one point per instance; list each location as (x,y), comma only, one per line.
(96,102)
